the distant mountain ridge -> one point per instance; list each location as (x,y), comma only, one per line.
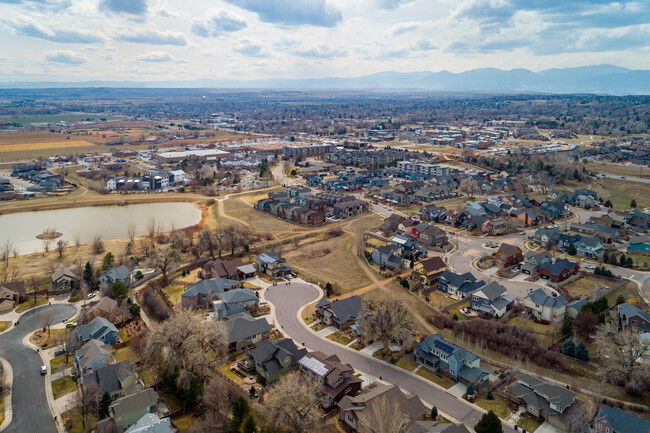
(603,79)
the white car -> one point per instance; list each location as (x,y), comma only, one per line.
(589,266)
(43,370)
(90,295)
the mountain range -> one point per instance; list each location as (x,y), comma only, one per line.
(600,79)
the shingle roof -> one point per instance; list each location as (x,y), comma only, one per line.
(622,421)
(436,427)
(239,295)
(96,328)
(245,326)
(539,297)
(269,353)
(508,249)
(108,377)
(493,290)
(343,309)
(150,423)
(432,264)
(134,402)
(120,273)
(207,287)
(456,280)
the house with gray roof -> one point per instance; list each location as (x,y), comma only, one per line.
(462,285)
(342,313)
(151,423)
(492,300)
(97,329)
(116,379)
(234,302)
(574,308)
(614,420)
(64,281)
(91,356)
(547,237)
(631,316)
(439,355)
(113,275)
(552,403)
(272,265)
(389,256)
(203,292)
(273,359)
(127,410)
(437,427)
(544,307)
(245,331)
(589,247)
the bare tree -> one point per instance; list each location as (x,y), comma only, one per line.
(47,320)
(86,400)
(207,241)
(215,401)
(383,415)
(51,267)
(293,404)
(179,241)
(146,246)
(388,319)
(151,227)
(77,240)
(5,251)
(186,344)
(122,313)
(35,285)
(46,245)
(469,186)
(98,244)
(60,247)
(9,274)
(165,259)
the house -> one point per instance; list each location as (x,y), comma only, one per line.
(437,354)
(98,329)
(93,355)
(566,239)
(631,316)
(105,308)
(547,237)
(639,244)
(204,292)
(127,410)
(117,379)
(462,285)
(428,270)
(113,275)
(508,255)
(432,213)
(495,227)
(272,359)
(151,423)
(555,209)
(244,331)
(271,265)
(342,313)
(614,420)
(64,281)
(437,427)
(231,269)
(554,404)
(545,307)
(352,409)
(407,244)
(558,271)
(391,224)
(314,179)
(350,208)
(492,299)
(389,256)
(433,236)
(574,308)
(538,259)
(11,294)
(589,247)
(234,302)
(337,378)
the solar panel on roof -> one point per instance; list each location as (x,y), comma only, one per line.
(443,346)
(314,365)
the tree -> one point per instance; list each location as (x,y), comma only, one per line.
(569,348)
(108,261)
(215,402)
(293,403)
(60,247)
(620,299)
(608,203)
(186,347)
(489,395)
(434,413)
(151,227)
(489,423)
(388,319)
(582,353)
(165,259)
(5,251)
(98,244)
(384,415)
(469,186)
(585,324)
(470,389)
(120,291)
(47,321)
(86,400)
(633,204)
(249,425)
(571,249)
(104,403)
(240,410)
(207,241)
(567,323)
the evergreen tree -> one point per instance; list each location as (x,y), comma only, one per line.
(489,423)
(104,403)
(489,395)
(249,425)
(567,324)
(88,273)
(633,204)
(582,353)
(434,413)
(612,259)
(119,290)
(608,203)
(622,261)
(470,389)
(569,348)
(108,262)
(620,299)
(239,411)
(571,250)
(630,262)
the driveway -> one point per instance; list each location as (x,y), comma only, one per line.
(31,412)
(288,299)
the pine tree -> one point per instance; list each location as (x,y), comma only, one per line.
(249,425)
(434,413)
(239,411)
(567,324)
(571,250)
(489,423)
(569,348)
(608,203)
(104,403)
(88,273)
(489,395)
(582,353)
(470,389)
(633,204)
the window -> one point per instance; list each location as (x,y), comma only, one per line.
(607,429)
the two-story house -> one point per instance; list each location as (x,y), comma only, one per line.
(64,281)
(245,331)
(117,379)
(97,329)
(428,271)
(492,300)
(234,302)
(337,378)
(204,292)
(545,307)
(389,256)
(273,359)
(461,285)
(433,237)
(589,247)
(614,420)
(273,266)
(508,256)
(631,316)
(547,237)
(92,356)
(127,410)
(113,275)
(342,313)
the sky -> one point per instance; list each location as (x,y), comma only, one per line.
(151,40)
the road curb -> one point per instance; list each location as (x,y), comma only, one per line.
(8,382)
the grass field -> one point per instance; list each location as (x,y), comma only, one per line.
(126,354)
(456,310)
(174,293)
(622,192)
(63,386)
(528,424)
(59,364)
(619,169)
(439,300)
(29,304)
(336,336)
(585,284)
(73,424)
(406,364)
(423,372)
(496,406)
(629,291)
(259,221)
(529,324)
(184,422)
(338,266)
(58,118)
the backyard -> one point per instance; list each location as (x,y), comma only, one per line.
(425,373)
(586,284)
(174,293)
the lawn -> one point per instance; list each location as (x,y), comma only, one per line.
(254,198)
(618,169)
(40,338)
(309,318)
(2,407)
(124,336)
(338,337)
(29,304)
(622,192)
(423,372)
(59,118)
(63,386)
(406,364)
(586,284)
(496,406)
(329,261)
(59,364)
(456,310)
(260,221)
(184,422)
(528,424)
(174,293)
(126,354)
(639,259)
(629,291)
(147,377)
(4,325)
(439,299)
(529,324)
(72,422)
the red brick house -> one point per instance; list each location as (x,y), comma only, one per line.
(508,255)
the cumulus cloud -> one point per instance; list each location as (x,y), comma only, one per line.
(131,7)
(159,57)
(65,57)
(406,27)
(217,22)
(392,4)
(292,12)
(34,29)
(154,37)
(321,52)
(251,49)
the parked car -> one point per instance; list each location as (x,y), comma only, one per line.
(90,295)
(58,352)
(43,370)
(523,233)
(71,325)
(589,266)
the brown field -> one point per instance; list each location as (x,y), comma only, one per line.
(44,145)
(619,169)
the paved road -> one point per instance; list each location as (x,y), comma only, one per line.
(288,299)
(31,412)
(629,179)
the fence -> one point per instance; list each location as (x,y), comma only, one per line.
(455,304)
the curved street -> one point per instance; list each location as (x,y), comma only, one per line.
(31,412)
(288,299)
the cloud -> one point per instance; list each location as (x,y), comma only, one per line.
(392,4)
(423,46)
(131,7)
(159,57)
(250,49)
(406,27)
(65,57)
(34,29)
(321,52)
(292,12)
(154,37)
(218,22)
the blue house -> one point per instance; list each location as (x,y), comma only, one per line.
(97,329)
(112,275)
(639,244)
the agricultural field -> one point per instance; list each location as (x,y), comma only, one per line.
(57,118)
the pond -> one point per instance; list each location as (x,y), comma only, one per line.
(111,222)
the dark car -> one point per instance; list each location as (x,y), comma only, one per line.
(58,352)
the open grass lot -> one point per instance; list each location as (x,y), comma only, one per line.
(639,260)
(618,169)
(496,406)
(528,423)
(59,118)
(59,364)
(423,372)
(29,304)
(259,221)
(337,266)
(254,198)
(585,284)
(622,192)
(439,299)
(4,325)
(174,293)
(529,324)
(63,386)
(629,291)
(406,364)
